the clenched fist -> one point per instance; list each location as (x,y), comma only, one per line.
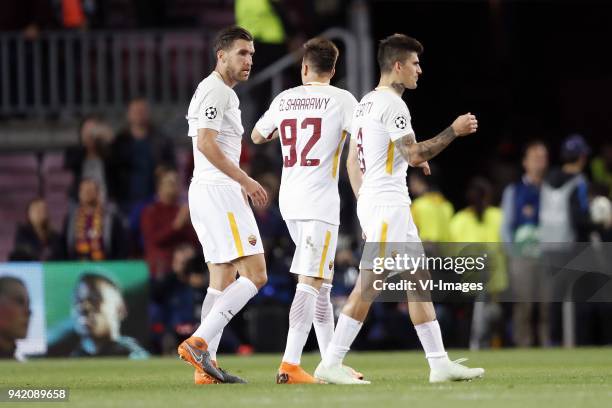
(465,125)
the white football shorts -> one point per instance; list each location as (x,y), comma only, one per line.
(389,230)
(224,222)
(315,247)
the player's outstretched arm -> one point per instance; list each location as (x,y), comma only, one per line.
(258,138)
(207,144)
(417,153)
(353,168)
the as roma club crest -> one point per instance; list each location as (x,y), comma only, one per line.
(331,264)
(252,240)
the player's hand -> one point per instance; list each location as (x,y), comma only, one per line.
(425,167)
(465,125)
(256,192)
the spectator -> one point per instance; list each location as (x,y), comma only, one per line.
(93,230)
(82,14)
(601,167)
(36,240)
(521,206)
(89,160)
(480,223)
(564,201)
(135,154)
(174,296)
(165,224)
(592,318)
(431,211)
(432,214)
(564,221)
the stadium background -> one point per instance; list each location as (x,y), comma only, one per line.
(528,70)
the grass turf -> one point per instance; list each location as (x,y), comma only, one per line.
(514,378)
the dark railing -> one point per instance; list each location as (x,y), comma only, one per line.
(70,73)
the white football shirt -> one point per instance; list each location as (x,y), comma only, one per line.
(381,118)
(215,105)
(312,120)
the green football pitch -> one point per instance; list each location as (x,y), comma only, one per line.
(514,378)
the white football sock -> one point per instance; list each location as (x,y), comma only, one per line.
(231,301)
(430,336)
(344,336)
(324,318)
(211,297)
(300,321)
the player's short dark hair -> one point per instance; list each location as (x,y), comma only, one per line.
(226,37)
(321,53)
(396,47)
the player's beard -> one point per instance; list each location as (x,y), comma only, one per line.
(244,76)
(239,75)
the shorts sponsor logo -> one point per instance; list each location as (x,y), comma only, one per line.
(252,240)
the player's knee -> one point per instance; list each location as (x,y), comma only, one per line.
(228,280)
(259,279)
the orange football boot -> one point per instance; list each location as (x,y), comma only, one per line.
(294,374)
(203,378)
(194,351)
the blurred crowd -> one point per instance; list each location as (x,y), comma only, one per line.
(128,201)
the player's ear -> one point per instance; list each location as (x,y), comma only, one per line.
(333,72)
(221,55)
(304,69)
(397,65)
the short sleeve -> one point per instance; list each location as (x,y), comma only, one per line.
(349,109)
(212,108)
(396,120)
(266,124)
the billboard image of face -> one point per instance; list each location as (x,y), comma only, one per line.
(97,309)
(22,310)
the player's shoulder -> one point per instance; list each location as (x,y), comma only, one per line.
(289,91)
(345,95)
(388,97)
(212,85)
(388,101)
